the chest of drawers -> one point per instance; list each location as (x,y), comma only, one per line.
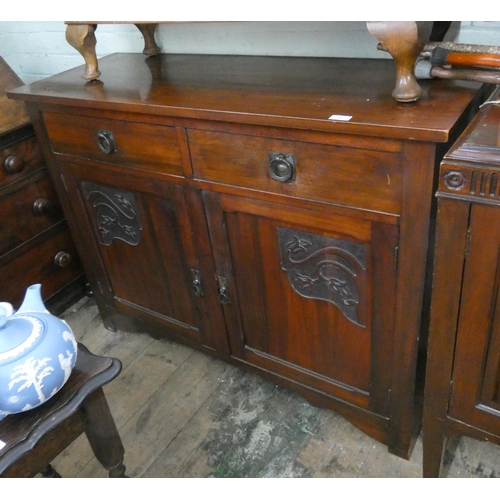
(215,199)
(35,244)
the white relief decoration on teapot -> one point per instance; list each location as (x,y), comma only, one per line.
(26,344)
(31,373)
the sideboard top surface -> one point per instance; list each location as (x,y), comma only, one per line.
(263,90)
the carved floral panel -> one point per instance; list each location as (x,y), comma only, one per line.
(116,213)
(330,269)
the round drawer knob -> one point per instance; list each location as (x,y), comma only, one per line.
(44,206)
(13,164)
(62,259)
(106,141)
(281,167)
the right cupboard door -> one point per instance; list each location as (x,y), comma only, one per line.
(476,371)
(308,295)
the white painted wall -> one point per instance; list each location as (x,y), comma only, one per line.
(37,49)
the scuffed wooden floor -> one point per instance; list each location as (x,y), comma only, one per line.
(183,414)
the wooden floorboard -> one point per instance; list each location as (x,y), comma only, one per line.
(183,414)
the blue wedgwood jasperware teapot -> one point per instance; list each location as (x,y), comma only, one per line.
(37,354)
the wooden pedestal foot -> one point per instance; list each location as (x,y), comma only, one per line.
(404,40)
(148,32)
(82,38)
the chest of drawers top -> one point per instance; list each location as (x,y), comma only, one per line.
(346,96)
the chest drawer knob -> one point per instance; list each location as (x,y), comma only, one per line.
(13,164)
(62,259)
(44,206)
(282,167)
(106,141)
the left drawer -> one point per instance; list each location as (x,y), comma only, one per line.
(138,145)
(27,212)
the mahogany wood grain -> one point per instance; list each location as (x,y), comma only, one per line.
(450,245)
(25,157)
(476,371)
(38,266)
(361,197)
(33,230)
(18,218)
(403,40)
(310,91)
(463,367)
(160,152)
(350,177)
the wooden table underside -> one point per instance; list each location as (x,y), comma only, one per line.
(404,40)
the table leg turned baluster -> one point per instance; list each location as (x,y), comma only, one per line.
(103,435)
(404,41)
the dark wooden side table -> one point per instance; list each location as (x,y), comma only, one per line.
(462,390)
(30,440)
(404,40)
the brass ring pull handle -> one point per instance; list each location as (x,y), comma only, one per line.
(282,167)
(44,206)
(13,164)
(62,259)
(106,141)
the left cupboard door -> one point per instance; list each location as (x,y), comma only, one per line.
(145,246)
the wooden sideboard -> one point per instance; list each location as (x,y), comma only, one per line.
(462,391)
(35,243)
(270,211)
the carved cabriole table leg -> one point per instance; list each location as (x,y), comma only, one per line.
(82,38)
(148,32)
(404,40)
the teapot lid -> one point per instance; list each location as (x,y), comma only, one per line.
(19,333)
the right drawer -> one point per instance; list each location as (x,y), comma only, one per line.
(359,178)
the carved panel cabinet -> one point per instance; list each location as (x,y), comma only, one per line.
(462,392)
(273,212)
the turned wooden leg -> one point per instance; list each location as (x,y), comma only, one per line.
(103,435)
(82,38)
(50,472)
(404,40)
(434,444)
(148,32)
